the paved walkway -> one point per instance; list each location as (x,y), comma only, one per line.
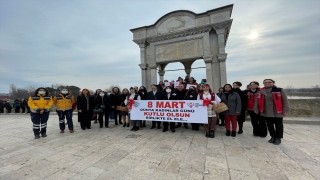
(117,153)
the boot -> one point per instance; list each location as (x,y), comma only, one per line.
(116,122)
(228,133)
(233,133)
(128,125)
(37,136)
(159,127)
(211,134)
(271,140)
(207,134)
(133,128)
(120,122)
(277,141)
(144,124)
(240,131)
(136,129)
(124,124)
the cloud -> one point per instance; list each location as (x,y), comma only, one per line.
(88,43)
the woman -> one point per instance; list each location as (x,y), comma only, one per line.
(169,95)
(85,104)
(115,101)
(143,94)
(191,94)
(242,116)
(129,100)
(161,85)
(220,114)
(258,123)
(209,98)
(124,114)
(96,94)
(103,101)
(64,102)
(233,101)
(273,105)
(40,104)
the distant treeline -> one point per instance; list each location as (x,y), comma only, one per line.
(315,88)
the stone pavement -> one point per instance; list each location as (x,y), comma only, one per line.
(117,153)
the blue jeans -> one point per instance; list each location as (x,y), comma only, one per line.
(111,115)
(68,115)
(38,119)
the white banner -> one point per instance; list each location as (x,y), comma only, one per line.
(188,111)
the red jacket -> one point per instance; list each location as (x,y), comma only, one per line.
(277,99)
(251,99)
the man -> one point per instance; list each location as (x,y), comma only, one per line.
(154,94)
(181,92)
(242,116)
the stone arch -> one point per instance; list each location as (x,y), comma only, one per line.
(184,36)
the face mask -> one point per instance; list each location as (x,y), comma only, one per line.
(101,94)
(41,92)
(168,90)
(64,92)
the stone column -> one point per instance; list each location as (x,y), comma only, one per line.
(223,69)
(144,74)
(153,70)
(161,71)
(143,64)
(208,61)
(222,56)
(187,67)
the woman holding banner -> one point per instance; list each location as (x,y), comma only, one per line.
(169,95)
(134,95)
(209,99)
(192,95)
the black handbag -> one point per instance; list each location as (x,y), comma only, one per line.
(98,111)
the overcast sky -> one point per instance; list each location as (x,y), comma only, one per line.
(88,43)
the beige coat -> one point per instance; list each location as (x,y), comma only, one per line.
(269,107)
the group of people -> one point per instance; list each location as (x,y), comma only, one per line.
(19,106)
(266,106)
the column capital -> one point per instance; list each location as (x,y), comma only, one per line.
(152,65)
(222,57)
(208,59)
(161,73)
(188,71)
(143,66)
(142,44)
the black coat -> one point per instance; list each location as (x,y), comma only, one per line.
(143,96)
(172,97)
(115,100)
(123,97)
(194,96)
(157,96)
(7,105)
(105,100)
(243,97)
(82,103)
(180,94)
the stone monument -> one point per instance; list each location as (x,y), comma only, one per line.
(184,36)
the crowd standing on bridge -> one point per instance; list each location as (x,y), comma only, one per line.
(266,107)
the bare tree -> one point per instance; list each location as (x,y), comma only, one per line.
(290,88)
(30,89)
